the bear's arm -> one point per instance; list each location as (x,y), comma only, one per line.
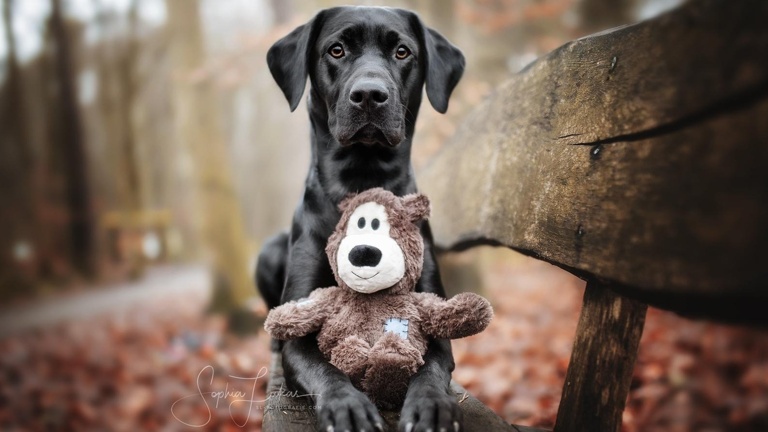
(303,316)
(463,315)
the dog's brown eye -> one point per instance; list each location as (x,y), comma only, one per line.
(375,224)
(336,51)
(402,52)
(361,223)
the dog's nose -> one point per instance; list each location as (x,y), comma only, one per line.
(368,94)
(364,256)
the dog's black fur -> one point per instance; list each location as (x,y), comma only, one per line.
(367,67)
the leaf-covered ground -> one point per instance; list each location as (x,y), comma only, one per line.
(690,375)
(162,364)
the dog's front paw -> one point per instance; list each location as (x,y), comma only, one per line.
(428,408)
(348,409)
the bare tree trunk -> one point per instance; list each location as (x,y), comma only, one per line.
(132,190)
(72,148)
(126,69)
(15,100)
(197,120)
(17,231)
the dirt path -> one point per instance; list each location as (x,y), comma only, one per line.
(173,281)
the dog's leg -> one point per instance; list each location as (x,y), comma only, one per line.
(270,273)
(430,404)
(341,406)
(270,269)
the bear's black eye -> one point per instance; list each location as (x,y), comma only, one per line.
(375,224)
(361,223)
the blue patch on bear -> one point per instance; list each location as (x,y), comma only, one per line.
(399,326)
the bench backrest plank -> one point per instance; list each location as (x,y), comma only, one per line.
(637,155)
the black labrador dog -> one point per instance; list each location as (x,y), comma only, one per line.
(367,67)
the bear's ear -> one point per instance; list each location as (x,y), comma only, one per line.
(346,202)
(416,206)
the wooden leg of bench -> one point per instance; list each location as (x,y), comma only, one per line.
(604,352)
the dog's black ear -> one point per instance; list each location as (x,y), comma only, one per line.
(445,65)
(288,59)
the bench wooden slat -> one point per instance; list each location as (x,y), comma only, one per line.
(289,414)
(637,156)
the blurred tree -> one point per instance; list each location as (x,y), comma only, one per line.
(46,229)
(115,61)
(71,148)
(197,120)
(16,228)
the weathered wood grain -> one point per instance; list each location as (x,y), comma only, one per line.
(604,353)
(289,414)
(639,155)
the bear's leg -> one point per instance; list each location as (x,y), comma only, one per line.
(392,361)
(351,357)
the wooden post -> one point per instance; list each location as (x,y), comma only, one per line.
(604,352)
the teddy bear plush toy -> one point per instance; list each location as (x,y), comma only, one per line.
(373,326)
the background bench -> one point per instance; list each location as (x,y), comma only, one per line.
(636,159)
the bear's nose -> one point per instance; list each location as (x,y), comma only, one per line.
(364,256)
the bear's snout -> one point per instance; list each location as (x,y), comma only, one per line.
(365,256)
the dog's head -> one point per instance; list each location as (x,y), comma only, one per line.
(368,66)
(377,244)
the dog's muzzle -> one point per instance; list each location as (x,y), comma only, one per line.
(370,114)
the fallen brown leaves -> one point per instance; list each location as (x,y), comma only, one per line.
(123,371)
(690,375)
(694,375)
(518,364)
(139,367)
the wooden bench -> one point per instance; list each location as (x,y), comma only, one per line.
(636,159)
